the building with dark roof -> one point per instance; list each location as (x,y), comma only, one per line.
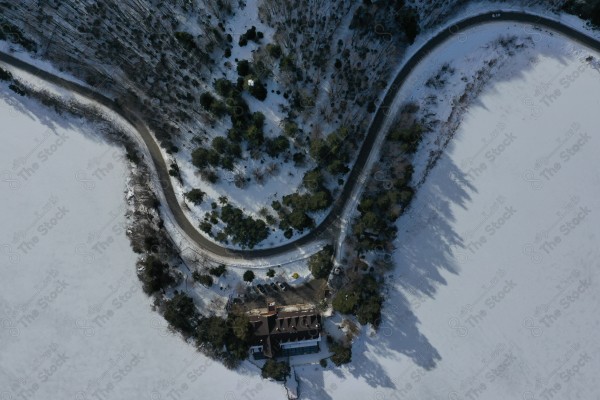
(282,333)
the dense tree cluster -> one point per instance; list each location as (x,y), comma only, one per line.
(342,354)
(186,40)
(385,17)
(12,33)
(294,209)
(379,211)
(332,152)
(278,370)
(247,127)
(250,35)
(320,264)
(226,339)
(181,313)
(361,298)
(144,45)
(274,147)
(585,9)
(154,275)
(243,230)
(409,137)
(212,104)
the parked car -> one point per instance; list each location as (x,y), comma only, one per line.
(282,286)
(273,286)
(261,289)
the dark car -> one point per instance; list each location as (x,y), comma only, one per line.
(261,289)
(282,286)
(273,286)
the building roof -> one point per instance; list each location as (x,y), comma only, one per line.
(273,327)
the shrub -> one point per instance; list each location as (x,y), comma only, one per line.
(290,129)
(258,119)
(275,370)
(276,146)
(274,50)
(271,273)
(206,100)
(206,227)
(299,158)
(224,87)
(202,157)
(196,196)
(248,276)
(287,64)
(186,40)
(219,270)
(337,167)
(243,68)
(220,144)
(209,175)
(5,75)
(258,90)
(341,354)
(203,279)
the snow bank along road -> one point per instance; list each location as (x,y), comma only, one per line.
(329,226)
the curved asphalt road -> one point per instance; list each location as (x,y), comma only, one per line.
(330,225)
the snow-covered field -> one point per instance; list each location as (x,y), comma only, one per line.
(74,323)
(495,293)
(494,296)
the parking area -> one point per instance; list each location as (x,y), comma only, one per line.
(308,293)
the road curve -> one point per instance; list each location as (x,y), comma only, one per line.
(329,225)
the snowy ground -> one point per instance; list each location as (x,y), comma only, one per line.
(496,285)
(254,196)
(74,323)
(494,297)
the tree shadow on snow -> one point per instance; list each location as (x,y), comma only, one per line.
(427,246)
